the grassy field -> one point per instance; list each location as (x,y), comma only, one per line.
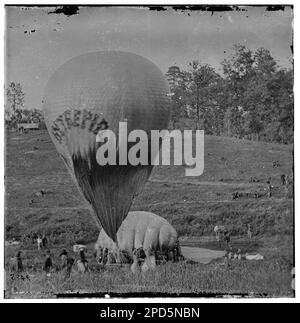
(193,205)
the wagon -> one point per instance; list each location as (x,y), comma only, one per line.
(24,127)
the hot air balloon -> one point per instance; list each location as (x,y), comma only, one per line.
(96,91)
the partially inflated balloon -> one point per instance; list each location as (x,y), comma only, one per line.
(96,91)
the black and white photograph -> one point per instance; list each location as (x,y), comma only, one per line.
(148,151)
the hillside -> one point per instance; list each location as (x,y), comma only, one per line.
(192,204)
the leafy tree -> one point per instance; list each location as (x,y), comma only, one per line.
(261,96)
(265,63)
(173,76)
(203,81)
(178,82)
(252,99)
(15,99)
(280,114)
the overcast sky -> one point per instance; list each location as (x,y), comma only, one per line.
(37,42)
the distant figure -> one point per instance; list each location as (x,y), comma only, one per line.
(235,195)
(82,255)
(269,190)
(283,179)
(106,257)
(82,263)
(269,187)
(217,232)
(70,262)
(229,255)
(48,263)
(63,256)
(39,242)
(227,261)
(34,237)
(66,262)
(135,266)
(288,183)
(19,262)
(227,239)
(216,229)
(44,241)
(239,254)
(177,252)
(293,278)
(249,232)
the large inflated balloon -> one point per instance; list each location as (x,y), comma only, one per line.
(96,91)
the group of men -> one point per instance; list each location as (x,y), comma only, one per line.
(223,234)
(285,180)
(66,262)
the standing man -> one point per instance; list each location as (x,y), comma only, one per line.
(269,187)
(63,256)
(70,262)
(66,262)
(216,230)
(39,242)
(82,261)
(227,239)
(44,241)
(48,263)
(249,232)
(19,262)
(288,183)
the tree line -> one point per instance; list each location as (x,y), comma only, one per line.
(252,98)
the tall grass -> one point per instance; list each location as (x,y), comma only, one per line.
(259,279)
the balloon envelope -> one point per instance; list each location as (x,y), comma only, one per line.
(96,91)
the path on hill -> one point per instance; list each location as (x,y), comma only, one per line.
(276,200)
(206,183)
(153,180)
